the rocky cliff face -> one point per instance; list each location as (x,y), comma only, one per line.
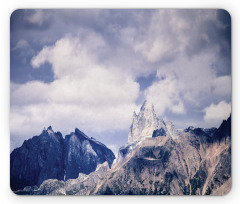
(195,163)
(146,122)
(49,156)
(38,159)
(84,154)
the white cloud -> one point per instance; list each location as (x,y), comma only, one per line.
(164,96)
(32,92)
(191,80)
(84,94)
(185,57)
(171,32)
(222,86)
(95,73)
(157,43)
(178,108)
(157,50)
(21,44)
(37,17)
(182,80)
(216,113)
(72,56)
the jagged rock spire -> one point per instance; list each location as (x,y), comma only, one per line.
(144,123)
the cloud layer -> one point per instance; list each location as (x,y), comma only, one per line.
(92,68)
(216,113)
(84,93)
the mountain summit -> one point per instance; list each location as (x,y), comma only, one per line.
(38,159)
(50,156)
(83,154)
(197,163)
(146,122)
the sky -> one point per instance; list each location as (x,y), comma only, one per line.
(91,69)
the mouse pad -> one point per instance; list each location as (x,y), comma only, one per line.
(120,102)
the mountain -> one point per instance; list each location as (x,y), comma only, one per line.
(38,159)
(84,154)
(83,185)
(208,131)
(224,131)
(157,160)
(189,165)
(192,164)
(146,122)
(49,156)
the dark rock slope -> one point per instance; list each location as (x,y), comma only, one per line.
(49,156)
(38,159)
(84,154)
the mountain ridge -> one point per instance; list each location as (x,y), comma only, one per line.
(50,156)
(188,165)
(166,161)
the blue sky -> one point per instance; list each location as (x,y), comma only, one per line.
(91,69)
